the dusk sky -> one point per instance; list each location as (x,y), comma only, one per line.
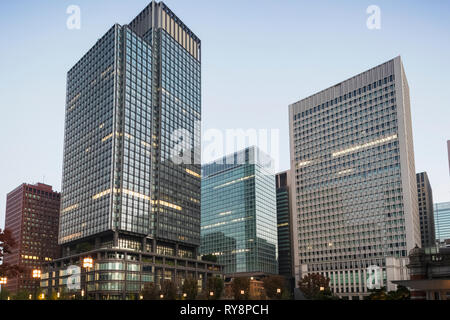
(257,58)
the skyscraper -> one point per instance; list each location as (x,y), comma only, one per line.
(284,226)
(239,217)
(131,174)
(448,151)
(442,221)
(354,181)
(425,196)
(32,214)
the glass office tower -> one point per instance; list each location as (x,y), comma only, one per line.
(131,174)
(239,217)
(442,221)
(354,181)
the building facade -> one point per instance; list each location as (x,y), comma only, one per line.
(355,193)
(131,173)
(284,227)
(425,197)
(429,270)
(448,151)
(239,218)
(442,221)
(32,214)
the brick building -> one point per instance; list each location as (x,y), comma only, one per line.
(32,215)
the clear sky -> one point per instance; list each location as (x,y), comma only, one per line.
(257,58)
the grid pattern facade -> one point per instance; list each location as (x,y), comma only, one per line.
(132,158)
(89,142)
(122,274)
(239,214)
(425,197)
(448,151)
(442,220)
(353,178)
(127,100)
(180,112)
(32,213)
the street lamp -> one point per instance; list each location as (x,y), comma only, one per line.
(161,296)
(211,293)
(3,281)
(184,295)
(37,276)
(88,263)
(58,295)
(242,292)
(322,289)
(278,290)
(36,273)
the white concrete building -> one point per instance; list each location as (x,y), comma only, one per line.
(354,181)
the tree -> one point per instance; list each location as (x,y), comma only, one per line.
(7,243)
(215,285)
(273,284)
(169,290)
(209,257)
(377,294)
(4,294)
(190,288)
(240,287)
(150,291)
(402,293)
(315,287)
(23,295)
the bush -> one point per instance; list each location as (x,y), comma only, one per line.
(150,291)
(190,288)
(216,285)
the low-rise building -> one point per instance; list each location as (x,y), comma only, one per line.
(429,270)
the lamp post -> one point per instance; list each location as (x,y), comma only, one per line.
(3,282)
(37,276)
(88,263)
